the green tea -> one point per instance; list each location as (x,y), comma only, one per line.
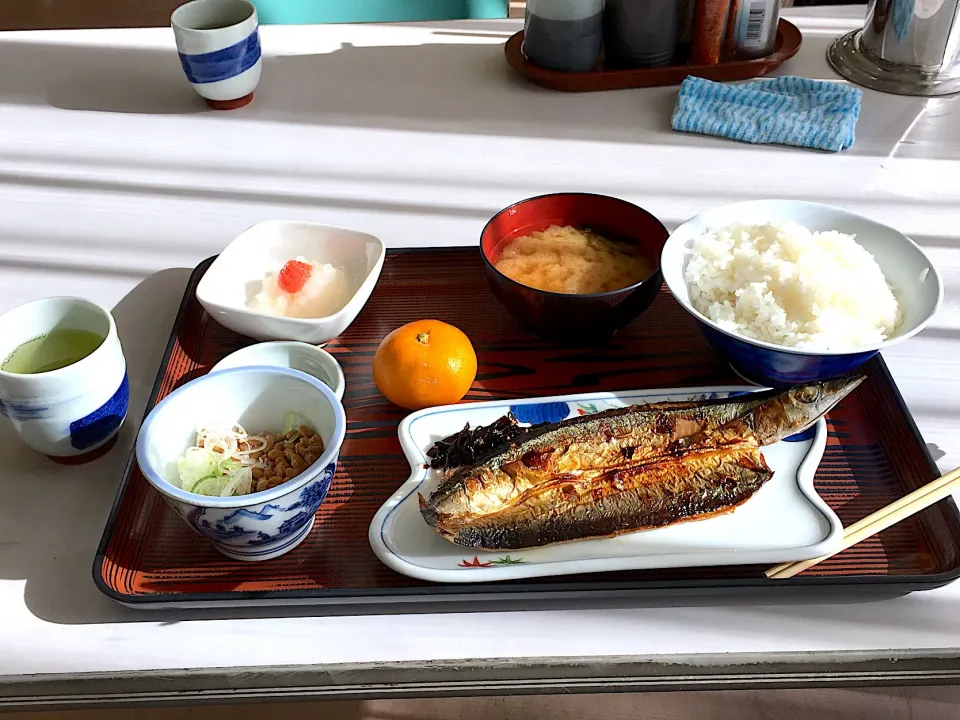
(53,351)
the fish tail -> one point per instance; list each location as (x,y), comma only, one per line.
(428,512)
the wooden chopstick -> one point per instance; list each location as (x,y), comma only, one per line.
(920,499)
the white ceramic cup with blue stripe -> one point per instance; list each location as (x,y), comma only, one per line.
(219,46)
(70,413)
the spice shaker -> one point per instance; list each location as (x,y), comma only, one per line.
(754,31)
(564,35)
(709,31)
(640,33)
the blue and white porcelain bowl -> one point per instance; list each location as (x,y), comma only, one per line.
(219,46)
(262,525)
(70,414)
(912,276)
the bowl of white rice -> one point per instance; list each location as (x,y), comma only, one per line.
(791,291)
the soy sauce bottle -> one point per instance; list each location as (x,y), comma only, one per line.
(564,35)
(640,33)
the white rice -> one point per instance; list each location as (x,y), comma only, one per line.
(324,293)
(782,284)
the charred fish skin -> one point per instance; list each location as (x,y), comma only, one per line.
(661,493)
(609,439)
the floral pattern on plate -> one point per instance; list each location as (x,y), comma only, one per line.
(536,413)
(478,563)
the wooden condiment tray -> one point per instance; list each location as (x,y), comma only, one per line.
(788,43)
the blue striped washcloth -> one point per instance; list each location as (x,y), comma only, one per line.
(784,110)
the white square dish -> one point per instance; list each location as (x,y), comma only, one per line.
(785,520)
(235,277)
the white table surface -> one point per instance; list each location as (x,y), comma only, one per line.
(115,180)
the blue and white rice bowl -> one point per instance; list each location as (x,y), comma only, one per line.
(219,46)
(912,277)
(261,525)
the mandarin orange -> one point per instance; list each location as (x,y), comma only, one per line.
(424,363)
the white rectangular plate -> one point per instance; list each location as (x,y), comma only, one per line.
(784,521)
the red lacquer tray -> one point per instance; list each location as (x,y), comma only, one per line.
(787,45)
(149,558)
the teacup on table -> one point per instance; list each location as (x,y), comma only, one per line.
(219,46)
(63,377)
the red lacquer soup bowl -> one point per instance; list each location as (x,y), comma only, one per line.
(569,319)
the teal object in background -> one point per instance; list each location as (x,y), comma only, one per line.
(306,12)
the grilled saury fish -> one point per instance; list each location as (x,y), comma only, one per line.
(623,470)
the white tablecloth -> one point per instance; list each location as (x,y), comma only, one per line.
(115,180)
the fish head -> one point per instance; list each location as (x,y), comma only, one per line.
(798,408)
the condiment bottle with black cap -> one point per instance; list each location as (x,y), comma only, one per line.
(640,33)
(564,35)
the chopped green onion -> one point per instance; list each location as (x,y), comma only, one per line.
(290,422)
(216,466)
